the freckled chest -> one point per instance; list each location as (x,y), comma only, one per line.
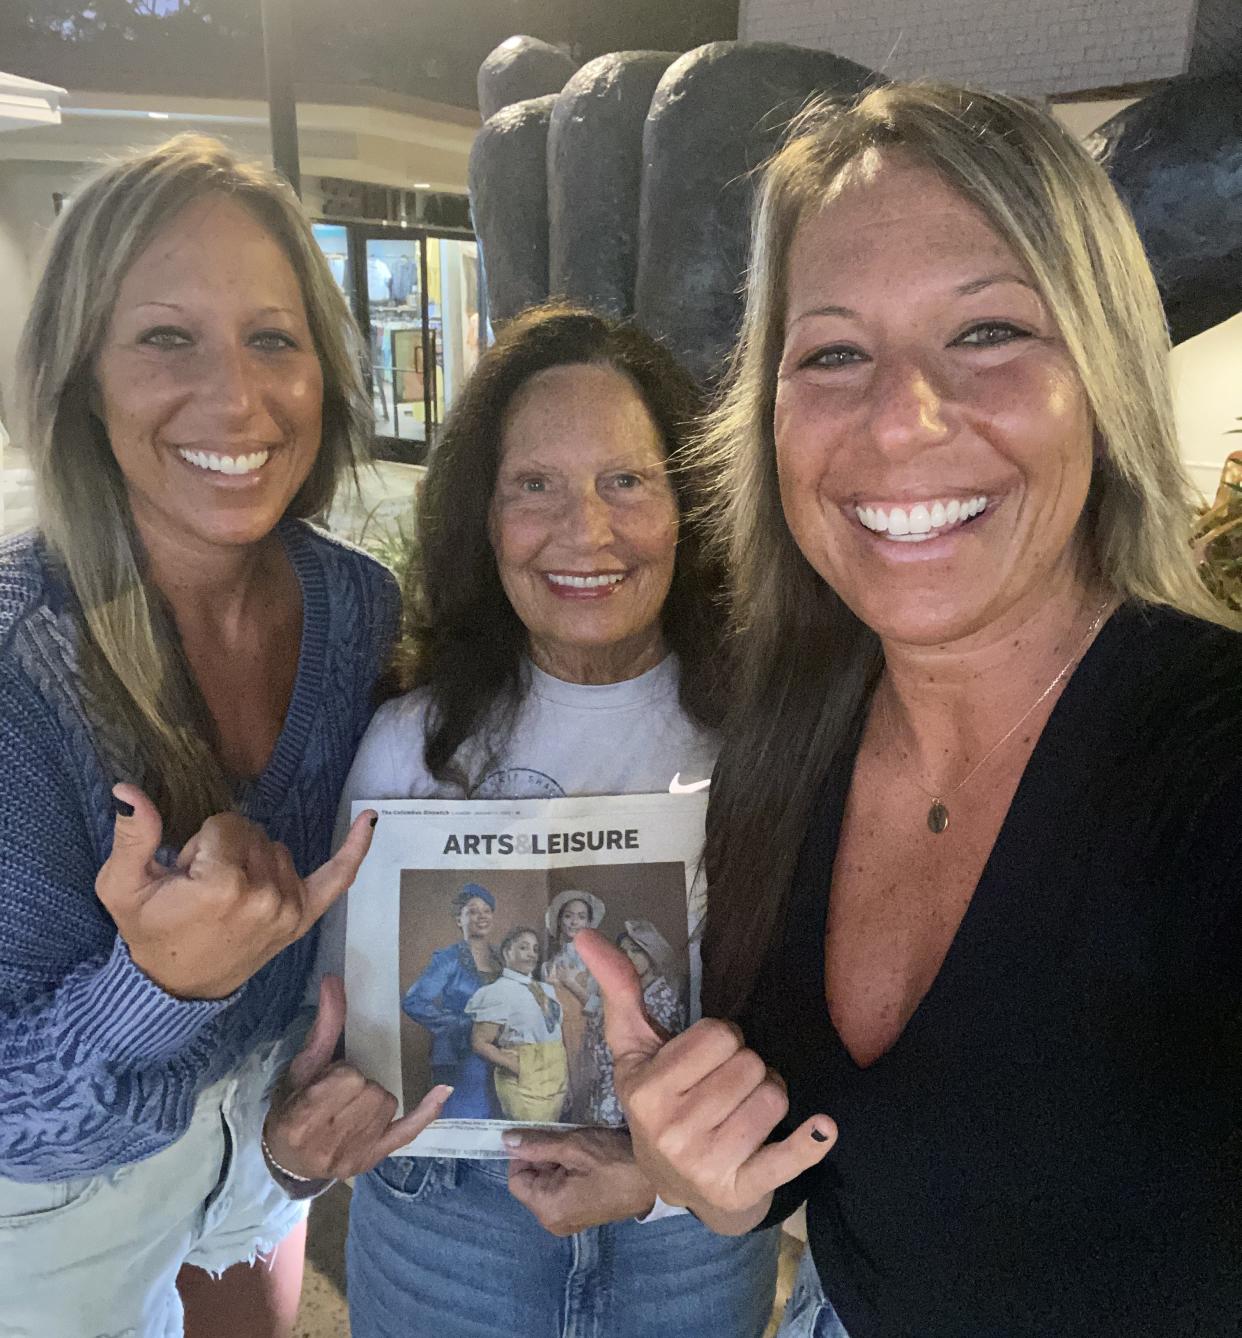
(899,893)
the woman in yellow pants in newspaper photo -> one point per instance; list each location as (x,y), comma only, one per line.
(517,1028)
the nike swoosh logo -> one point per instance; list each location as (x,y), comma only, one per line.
(676,787)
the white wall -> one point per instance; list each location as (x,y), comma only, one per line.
(1037,47)
(26,216)
(1207,397)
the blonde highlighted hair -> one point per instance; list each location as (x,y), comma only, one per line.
(142,694)
(806,666)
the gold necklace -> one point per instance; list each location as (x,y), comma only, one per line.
(938,813)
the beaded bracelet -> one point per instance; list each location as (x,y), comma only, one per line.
(284,1170)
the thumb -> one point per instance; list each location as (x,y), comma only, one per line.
(136,837)
(331,879)
(627,1028)
(320,1045)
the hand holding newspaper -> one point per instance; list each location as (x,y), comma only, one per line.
(460,962)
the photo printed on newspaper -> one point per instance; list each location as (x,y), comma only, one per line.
(460,964)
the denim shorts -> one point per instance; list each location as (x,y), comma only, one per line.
(98,1257)
(809,1313)
(441,1247)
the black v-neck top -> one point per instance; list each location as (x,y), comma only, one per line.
(1053,1147)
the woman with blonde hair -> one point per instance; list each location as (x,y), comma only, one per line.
(186,667)
(972,844)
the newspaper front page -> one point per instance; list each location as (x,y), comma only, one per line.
(460,965)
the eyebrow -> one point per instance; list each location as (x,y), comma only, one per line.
(848,312)
(967,289)
(176,306)
(623,462)
(987,280)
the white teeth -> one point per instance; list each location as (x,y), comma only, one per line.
(922,521)
(226,464)
(587,582)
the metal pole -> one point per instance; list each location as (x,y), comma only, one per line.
(281,104)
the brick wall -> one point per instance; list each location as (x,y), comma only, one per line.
(1032,47)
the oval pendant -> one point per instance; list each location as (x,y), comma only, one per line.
(937,817)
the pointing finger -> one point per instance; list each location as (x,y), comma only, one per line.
(412,1123)
(331,879)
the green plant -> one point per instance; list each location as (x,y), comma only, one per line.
(387,538)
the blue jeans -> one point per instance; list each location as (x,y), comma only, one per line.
(809,1313)
(441,1249)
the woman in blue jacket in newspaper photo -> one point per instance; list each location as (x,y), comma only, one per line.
(437,1001)
(564,639)
(191,395)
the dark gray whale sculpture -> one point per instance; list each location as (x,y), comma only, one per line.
(1176,158)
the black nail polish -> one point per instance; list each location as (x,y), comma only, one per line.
(818,1136)
(374,819)
(121,808)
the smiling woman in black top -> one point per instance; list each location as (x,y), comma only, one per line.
(976,874)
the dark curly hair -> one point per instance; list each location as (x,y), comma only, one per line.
(462,640)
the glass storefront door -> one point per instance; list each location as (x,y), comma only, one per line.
(415,294)
(394,269)
(453,278)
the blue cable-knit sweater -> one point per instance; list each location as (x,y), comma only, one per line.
(98,1066)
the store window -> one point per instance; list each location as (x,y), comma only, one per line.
(415,294)
(334,243)
(453,275)
(399,366)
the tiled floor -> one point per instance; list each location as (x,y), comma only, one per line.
(323,1306)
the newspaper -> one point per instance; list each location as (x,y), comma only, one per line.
(459,958)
